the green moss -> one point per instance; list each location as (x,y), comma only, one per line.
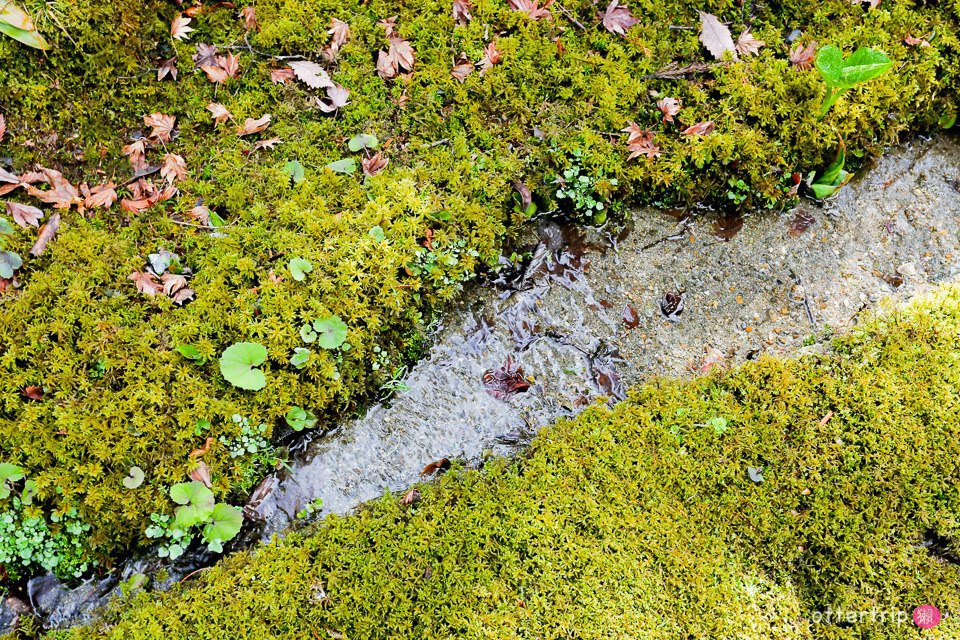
(454,149)
(643,521)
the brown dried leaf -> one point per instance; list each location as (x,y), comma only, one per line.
(206,55)
(311,74)
(640,142)
(908,39)
(174,168)
(146,283)
(12,178)
(249,15)
(462,68)
(491,57)
(747,45)
(440,465)
(168,70)
(269,143)
(62,194)
(3,127)
(46,234)
(399,56)
(201,213)
(531,8)
(669,107)
(230,64)
(215,73)
(340,33)
(374,164)
(251,126)
(461,11)
(802,57)
(219,112)
(138,205)
(162,125)
(281,76)
(172,283)
(201,474)
(136,153)
(102,196)
(336,98)
(617,18)
(700,129)
(24,215)
(181,297)
(34,393)
(715,36)
(179,29)
(409,497)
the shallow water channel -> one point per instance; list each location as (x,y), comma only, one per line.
(586,316)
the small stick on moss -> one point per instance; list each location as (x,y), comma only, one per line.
(192,573)
(570,16)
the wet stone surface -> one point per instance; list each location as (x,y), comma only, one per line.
(584,321)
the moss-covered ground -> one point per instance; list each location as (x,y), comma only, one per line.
(108,391)
(644,521)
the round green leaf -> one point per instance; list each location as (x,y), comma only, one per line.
(135,479)
(300,357)
(346,165)
(299,268)
(362,141)
(295,170)
(225,523)
(238,365)
(9,262)
(331,332)
(197,503)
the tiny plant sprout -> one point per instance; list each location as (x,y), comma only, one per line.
(362,141)
(295,170)
(300,357)
(134,478)
(833,177)
(299,268)
(841,75)
(299,419)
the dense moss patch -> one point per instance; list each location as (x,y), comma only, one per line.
(117,394)
(644,521)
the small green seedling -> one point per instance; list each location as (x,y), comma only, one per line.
(377,234)
(329,332)
(239,363)
(190,352)
(134,479)
(362,141)
(299,268)
(197,503)
(300,357)
(719,425)
(295,170)
(299,419)
(834,177)
(345,165)
(314,506)
(9,473)
(841,75)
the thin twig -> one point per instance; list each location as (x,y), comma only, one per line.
(200,226)
(570,16)
(681,27)
(192,573)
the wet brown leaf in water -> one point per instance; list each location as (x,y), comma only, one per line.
(505,382)
(630,317)
(802,221)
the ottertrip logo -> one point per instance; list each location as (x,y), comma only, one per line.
(926,616)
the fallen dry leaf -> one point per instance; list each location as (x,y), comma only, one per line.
(251,126)
(34,393)
(461,12)
(715,36)
(249,15)
(374,164)
(12,178)
(62,194)
(196,453)
(24,215)
(206,55)
(440,465)
(531,8)
(408,498)
(46,234)
(3,127)
(340,33)
(311,74)
(230,64)
(281,76)
(802,57)
(336,98)
(462,67)
(201,474)
(700,129)
(174,168)
(137,205)
(201,213)
(506,381)
(908,39)
(219,112)
(269,143)
(399,56)
(491,57)
(669,107)
(181,297)
(136,153)
(179,29)
(162,125)
(617,18)
(146,283)
(103,196)
(172,283)
(168,69)
(216,73)
(640,142)
(747,45)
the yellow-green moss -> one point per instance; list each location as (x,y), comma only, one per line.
(455,150)
(642,522)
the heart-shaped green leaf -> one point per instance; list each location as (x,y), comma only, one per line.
(346,165)
(331,332)
(135,479)
(238,365)
(9,262)
(300,357)
(299,268)
(295,170)
(362,141)
(300,419)
(197,501)
(9,473)
(863,65)
(225,523)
